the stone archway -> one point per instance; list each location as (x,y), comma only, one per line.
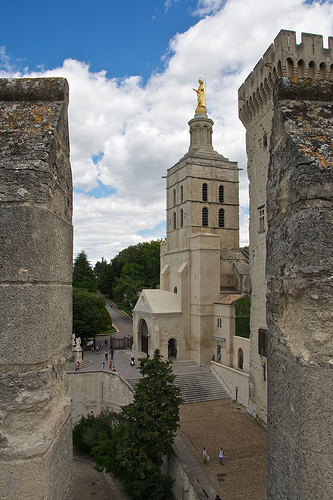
(143,336)
(172,348)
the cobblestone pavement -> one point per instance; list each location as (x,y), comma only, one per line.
(225,423)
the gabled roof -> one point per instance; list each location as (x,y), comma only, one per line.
(158,302)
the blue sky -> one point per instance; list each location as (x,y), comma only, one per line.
(131,68)
(124,38)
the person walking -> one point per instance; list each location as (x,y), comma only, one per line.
(77,366)
(106,355)
(221,456)
(110,365)
(205,456)
(112,353)
(103,365)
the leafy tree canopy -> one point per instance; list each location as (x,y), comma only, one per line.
(133,269)
(90,316)
(83,275)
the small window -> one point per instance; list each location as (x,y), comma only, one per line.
(174,197)
(181,218)
(261,219)
(264,141)
(264,372)
(174,220)
(221,194)
(175,290)
(262,341)
(182,193)
(204,192)
(205,216)
(221,217)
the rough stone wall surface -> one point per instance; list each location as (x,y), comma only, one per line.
(35,289)
(299,269)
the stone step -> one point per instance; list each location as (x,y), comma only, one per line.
(199,387)
(196,388)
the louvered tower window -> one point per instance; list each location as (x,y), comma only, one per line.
(204,192)
(205,216)
(221,194)
(221,217)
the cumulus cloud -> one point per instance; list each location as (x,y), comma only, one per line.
(126,134)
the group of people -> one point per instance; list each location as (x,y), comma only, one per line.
(110,366)
(218,357)
(205,456)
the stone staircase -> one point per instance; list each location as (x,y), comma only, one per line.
(196,387)
(200,387)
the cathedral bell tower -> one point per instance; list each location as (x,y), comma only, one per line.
(202,217)
(202,188)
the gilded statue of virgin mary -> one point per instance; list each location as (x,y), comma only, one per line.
(201,96)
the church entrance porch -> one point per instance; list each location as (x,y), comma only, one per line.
(172,348)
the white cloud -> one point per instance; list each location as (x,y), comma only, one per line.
(142,130)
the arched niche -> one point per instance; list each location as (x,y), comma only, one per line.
(240,358)
(172,348)
(143,336)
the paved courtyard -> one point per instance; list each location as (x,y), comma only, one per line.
(225,423)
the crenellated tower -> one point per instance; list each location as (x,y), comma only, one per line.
(284,58)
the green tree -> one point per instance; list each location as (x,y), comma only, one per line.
(242,313)
(83,275)
(90,316)
(133,269)
(145,435)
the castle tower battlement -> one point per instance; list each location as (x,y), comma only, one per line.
(284,57)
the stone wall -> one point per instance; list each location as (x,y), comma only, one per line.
(35,289)
(93,391)
(300,300)
(236,382)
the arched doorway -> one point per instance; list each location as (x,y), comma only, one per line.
(143,341)
(240,358)
(172,348)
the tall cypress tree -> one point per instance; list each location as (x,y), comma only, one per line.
(83,275)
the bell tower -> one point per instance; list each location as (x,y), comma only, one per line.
(202,218)
(202,191)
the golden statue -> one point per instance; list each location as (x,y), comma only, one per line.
(201,97)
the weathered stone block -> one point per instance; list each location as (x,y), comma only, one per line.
(36,246)
(35,321)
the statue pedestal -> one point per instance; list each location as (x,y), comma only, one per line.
(78,354)
(201,110)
